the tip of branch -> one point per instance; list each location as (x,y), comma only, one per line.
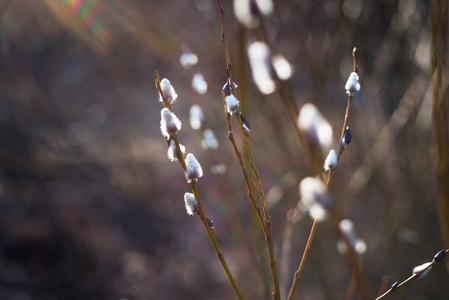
(354,53)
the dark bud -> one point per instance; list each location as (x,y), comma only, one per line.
(439,256)
(210,223)
(226,91)
(246,126)
(347,137)
(394,286)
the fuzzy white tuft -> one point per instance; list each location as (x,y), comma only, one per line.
(315,198)
(261,67)
(242,12)
(316,129)
(196,116)
(193,168)
(422,270)
(360,246)
(347,229)
(283,68)
(199,84)
(246,11)
(331,160)
(188,59)
(168,91)
(170,124)
(209,141)
(218,168)
(352,84)
(232,104)
(191,204)
(172,152)
(265,6)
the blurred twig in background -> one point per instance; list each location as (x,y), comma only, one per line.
(440,107)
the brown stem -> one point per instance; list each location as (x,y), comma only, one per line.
(264,220)
(200,211)
(267,222)
(345,124)
(264,223)
(414,276)
(351,255)
(354,53)
(237,223)
(303,260)
(213,240)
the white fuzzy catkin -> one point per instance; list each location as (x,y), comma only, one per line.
(191,203)
(352,84)
(170,124)
(360,247)
(199,84)
(193,168)
(168,91)
(232,104)
(347,228)
(196,116)
(244,11)
(315,198)
(209,141)
(422,270)
(331,160)
(284,70)
(188,59)
(261,67)
(316,129)
(218,168)
(172,152)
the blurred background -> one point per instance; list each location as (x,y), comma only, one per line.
(91,208)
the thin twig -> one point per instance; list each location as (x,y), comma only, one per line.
(214,242)
(264,223)
(200,211)
(345,124)
(440,114)
(303,261)
(348,107)
(264,220)
(351,256)
(237,223)
(267,221)
(416,274)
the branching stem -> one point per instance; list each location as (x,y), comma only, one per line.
(264,218)
(351,256)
